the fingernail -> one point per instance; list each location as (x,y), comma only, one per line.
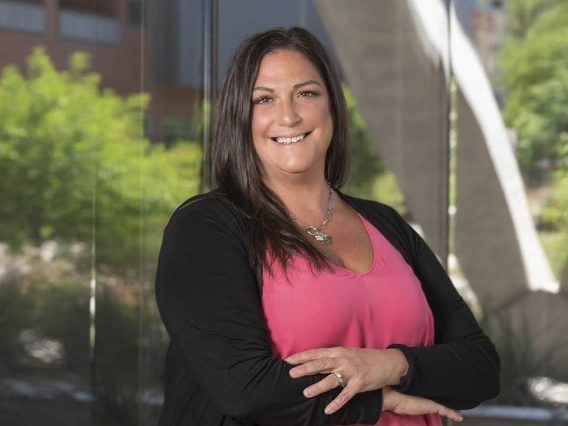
(328,410)
(293,373)
(308,393)
(287,360)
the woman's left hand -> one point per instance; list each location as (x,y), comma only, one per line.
(362,370)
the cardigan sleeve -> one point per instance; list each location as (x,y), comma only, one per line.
(210,305)
(462,368)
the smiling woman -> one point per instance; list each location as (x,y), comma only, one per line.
(274,321)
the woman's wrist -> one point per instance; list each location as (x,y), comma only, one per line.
(387,392)
(399,365)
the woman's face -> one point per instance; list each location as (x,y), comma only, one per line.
(291,120)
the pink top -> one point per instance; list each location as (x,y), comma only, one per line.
(372,310)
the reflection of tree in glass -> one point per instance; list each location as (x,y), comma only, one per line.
(555,212)
(73,159)
(76,170)
(534,73)
(522,14)
(369,177)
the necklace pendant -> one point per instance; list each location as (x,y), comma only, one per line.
(319,236)
(324,238)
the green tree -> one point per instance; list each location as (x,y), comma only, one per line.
(522,14)
(534,65)
(75,165)
(555,212)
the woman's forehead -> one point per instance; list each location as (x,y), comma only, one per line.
(286,67)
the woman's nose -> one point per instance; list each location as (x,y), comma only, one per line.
(288,114)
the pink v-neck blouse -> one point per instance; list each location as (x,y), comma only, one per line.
(341,308)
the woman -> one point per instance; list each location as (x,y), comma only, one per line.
(290,303)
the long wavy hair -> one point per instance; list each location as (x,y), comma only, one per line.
(236,166)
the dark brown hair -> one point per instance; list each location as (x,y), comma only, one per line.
(237,168)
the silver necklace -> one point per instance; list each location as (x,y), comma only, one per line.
(315,231)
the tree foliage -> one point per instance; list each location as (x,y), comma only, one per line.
(534,65)
(522,14)
(75,165)
(555,211)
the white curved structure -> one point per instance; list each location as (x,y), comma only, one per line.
(431,17)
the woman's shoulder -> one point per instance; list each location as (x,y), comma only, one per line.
(207,209)
(209,200)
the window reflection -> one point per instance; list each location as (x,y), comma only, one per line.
(27,16)
(509,186)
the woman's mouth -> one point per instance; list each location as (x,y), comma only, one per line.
(287,141)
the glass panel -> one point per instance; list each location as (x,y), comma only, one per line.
(48,155)
(100,140)
(150,161)
(172,167)
(511,231)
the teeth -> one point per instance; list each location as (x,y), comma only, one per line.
(290,140)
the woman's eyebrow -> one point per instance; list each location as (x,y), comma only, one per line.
(305,83)
(266,89)
(296,86)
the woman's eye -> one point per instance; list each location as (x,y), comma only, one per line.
(261,100)
(307,94)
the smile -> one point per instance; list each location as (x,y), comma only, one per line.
(286,141)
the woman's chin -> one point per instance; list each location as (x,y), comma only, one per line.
(296,169)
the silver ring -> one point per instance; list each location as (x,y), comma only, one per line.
(339,378)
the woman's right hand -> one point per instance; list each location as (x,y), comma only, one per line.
(402,404)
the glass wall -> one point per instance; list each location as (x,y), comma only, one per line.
(458,120)
(509,211)
(101,138)
(50,140)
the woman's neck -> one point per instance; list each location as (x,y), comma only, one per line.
(307,200)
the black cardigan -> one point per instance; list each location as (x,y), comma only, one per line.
(220,369)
